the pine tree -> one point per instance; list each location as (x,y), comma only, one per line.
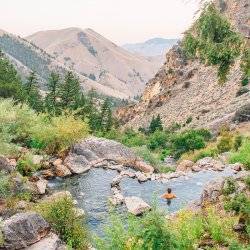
(52,99)
(106,120)
(10,82)
(155,124)
(70,91)
(33,96)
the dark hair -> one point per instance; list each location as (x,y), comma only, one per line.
(169,190)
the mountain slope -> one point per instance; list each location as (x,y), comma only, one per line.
(152,47)
(187,89)
(92,55)
(28,57)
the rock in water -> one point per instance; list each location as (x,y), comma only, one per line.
(77,164)
(24,229)
(136,205)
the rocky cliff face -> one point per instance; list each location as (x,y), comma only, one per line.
(185,89)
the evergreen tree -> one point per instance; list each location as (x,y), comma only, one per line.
(155,124)
(70,91)
(10,82)
(52,99)
(33,96)
(106,120)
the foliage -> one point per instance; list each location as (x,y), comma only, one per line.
(247,181)
(58,133)
(188,228)
(106,120)
(229,186)
(155,124)
(238,139)
(26,166)
(242,155)
(52,100)
(131,138)
(220,227)
(151,158)
(10,82)
(5,185)
(209,151)
(19,123)
(213,41)
(157,140)
(70,91)
(32,93)
(62,216)
(187,141)
(225,142)
(150,232)
(245,66)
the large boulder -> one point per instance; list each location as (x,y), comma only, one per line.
(6,164)
(93,152)
(50,242)
(77,164)
(136,205)
(62,171)
(24,229)
(185,166)
(208,163)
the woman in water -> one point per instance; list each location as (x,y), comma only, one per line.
(168,196)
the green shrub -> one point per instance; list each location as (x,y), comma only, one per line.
(188,228)
(157,140)
(242,155)
(238,142)
(132,138)
(229,186)
(150,232)
(214,41)
(220,228)
(225,143)
(244,81)
(63,218)
(25,165)
(209,151)
(59,133)
(247,181)
(5,185)
(187,141)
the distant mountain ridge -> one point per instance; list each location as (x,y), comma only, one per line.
(95,57)
(27,57)
(152,47)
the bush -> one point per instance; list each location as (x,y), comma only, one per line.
(25,165)
(5,185)
(229,186)
(187,141)
(62,217)
(242,155)
(132,138)
(220,228)
(59,133)
(247,181)
(209,151)
(225,142)
(188,228)
(150,232)
(157,140)
(214,41)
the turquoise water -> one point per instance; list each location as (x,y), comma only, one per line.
(92,189)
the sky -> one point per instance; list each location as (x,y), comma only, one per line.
(122,21)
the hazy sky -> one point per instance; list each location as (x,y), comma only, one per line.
(121,21)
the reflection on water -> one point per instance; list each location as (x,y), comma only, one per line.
(92,189)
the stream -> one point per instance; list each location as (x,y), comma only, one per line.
(91,190)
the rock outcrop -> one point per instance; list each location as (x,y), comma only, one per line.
(187,88)
(100,152)
(24,229)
